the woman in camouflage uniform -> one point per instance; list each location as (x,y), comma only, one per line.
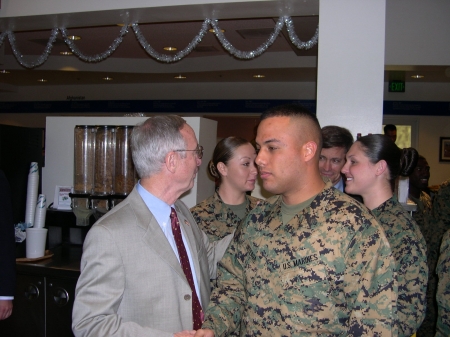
(373,164)
(233,166)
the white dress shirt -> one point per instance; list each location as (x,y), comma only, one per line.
(340,185)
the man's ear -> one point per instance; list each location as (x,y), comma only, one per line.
(222,168)
(381,167)
(171,161)
(309,150)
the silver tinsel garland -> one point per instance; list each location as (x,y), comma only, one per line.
(97,57)
(294,38)
(41,59)
(249,54)
(168,58)
(163,57)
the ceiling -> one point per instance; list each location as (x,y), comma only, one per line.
(209,56)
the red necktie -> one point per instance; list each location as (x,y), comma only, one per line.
(197,312)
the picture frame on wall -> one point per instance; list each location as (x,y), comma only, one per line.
(444,149)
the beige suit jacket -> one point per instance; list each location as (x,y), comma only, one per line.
(131,282)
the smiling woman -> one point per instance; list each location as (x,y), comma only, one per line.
(373,164)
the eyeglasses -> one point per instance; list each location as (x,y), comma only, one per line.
(198,151)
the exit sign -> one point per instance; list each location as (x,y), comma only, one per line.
(396,86)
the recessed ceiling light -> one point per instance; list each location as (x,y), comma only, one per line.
(66,53)
(42,80)
(180,77)
(417,76)
(4,71)
(107,78)
(74,37)
(170,48)
(259,76)
(213,31)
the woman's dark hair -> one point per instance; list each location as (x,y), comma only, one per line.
(223,152)
(399,162)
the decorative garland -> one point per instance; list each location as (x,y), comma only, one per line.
(163,57)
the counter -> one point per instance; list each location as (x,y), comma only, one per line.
(64,263)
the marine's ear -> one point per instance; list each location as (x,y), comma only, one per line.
(309,150)
(380,167)
(222,168)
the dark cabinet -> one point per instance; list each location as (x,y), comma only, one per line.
(44,297)
(42,308)
(28,318)
(59,296)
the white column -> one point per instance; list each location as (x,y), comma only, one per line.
(351,64)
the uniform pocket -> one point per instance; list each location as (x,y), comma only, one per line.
(307,295)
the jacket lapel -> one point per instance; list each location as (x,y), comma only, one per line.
(153,235)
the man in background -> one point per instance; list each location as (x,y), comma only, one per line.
(309,261)
(418,187)
(418,184)
(436,225)
(146,265)
(336,143)
(390,130)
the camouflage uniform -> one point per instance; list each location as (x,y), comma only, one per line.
(216,219)
(441,205)
(443,290)
(410,254)
(328,271)
(424,206)
(436,224)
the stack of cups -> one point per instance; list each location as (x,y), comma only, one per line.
(32,192)
(35,215)
(40,212)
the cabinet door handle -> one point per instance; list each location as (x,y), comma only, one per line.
(60,296)
(31,292)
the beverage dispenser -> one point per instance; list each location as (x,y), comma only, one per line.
(104,173)
(83,180)
(125,174)
(105,145)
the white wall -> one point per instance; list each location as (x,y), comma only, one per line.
(350,68)
(430,129)
(59,154)
(417,32)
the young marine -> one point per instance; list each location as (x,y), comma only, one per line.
(311,260)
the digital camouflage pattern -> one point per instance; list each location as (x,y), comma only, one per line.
(329,271)
(216,219)
(436,224)
(409,250)
(441,205)
(443,289)
(424,207)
